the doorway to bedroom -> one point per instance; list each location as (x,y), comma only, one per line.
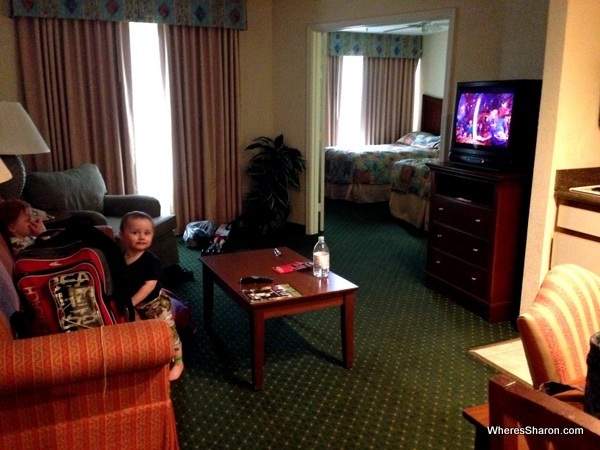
(433,79)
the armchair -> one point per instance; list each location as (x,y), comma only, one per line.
(99,388)
(82,191)
(103,388)
(556,328)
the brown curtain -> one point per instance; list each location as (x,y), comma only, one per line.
(204,78)
(333,96)
(388,98)
(76,91)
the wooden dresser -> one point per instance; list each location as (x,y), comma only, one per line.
(476,240)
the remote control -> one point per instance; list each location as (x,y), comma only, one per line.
(255,279)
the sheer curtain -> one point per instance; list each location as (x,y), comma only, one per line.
(388,98)
(204,78)
(77,92)
(151,116)
(333,96)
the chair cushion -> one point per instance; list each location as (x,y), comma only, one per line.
(81,188)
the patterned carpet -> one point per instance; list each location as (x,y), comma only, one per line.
(412,374)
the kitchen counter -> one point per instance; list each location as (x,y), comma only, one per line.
(576,236)
(568,178)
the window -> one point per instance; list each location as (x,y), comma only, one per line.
(350,128)
(151,117)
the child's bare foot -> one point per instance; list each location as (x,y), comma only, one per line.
(176,370)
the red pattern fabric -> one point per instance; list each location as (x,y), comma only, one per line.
(557,327)
(100,388)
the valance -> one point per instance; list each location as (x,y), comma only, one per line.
(197,13)
(375,45)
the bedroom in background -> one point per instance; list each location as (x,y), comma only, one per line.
(389,92)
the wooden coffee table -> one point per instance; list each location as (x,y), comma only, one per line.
(225,270)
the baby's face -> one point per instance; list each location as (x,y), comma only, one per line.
(24,225)
(138,233)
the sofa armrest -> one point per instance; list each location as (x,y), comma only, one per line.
(119,205)
(60,359)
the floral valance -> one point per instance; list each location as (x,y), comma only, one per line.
(197,13)
(375,45)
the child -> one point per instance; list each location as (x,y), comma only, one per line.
(19,225)
(142,278)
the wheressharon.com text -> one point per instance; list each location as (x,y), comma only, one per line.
(534,430)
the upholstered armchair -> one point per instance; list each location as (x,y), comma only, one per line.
(82,191)
(102,388)
(556,328)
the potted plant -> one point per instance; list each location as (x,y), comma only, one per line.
(274,169)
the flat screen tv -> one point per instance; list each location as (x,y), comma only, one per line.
(495,124)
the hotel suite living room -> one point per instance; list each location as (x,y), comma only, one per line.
(277,65)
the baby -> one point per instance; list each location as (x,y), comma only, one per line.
(142,278)
(19,225)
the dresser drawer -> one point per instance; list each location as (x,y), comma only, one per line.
(463,246)
(457,273)
(464,216)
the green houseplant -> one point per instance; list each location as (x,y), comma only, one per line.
(274,169)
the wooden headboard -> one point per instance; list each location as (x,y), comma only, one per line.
(431,114)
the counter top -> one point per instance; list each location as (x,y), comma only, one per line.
(569,178)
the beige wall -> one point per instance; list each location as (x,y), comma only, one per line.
(569,135)
(9,75)
(256,78)
(433,64)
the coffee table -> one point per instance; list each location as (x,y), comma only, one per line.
(225,270)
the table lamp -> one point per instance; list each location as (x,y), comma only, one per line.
(18,136)
(5,174)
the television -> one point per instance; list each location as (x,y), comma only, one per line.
(495,124)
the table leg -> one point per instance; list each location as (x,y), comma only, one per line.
(347,319)
(208,291)
(257,331)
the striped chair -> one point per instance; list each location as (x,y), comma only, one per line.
(557,327)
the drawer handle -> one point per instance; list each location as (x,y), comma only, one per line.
(439,236)
(473,278)
(475,250)
(437,261)
(441,208)
(477,220)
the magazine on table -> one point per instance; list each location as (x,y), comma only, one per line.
(273,292)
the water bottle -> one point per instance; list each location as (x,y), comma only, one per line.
(321,259)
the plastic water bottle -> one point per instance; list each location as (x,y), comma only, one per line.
(321,259)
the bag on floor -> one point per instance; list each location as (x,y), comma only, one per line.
(199,234)
(68,285)
(182,314)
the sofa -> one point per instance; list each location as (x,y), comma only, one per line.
(82,191)
(102,388)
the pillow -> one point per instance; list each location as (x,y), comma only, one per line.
(420,139)
(81,188)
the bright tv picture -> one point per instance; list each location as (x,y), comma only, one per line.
(483,119)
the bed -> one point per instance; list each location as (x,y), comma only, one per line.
(363,174)
(409,197)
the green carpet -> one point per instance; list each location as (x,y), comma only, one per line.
(412,374)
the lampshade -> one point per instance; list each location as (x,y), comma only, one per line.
(18,136)
(5,174)
(18,133)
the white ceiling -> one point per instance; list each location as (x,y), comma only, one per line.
(414,28)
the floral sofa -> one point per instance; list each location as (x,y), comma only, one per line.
(99,388)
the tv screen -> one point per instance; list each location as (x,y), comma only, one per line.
(495,123)
(484,118)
